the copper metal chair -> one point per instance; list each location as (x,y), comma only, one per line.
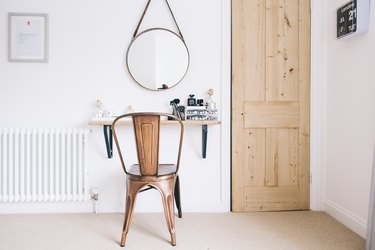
(149,173)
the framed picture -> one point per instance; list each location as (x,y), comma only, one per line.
(27,37)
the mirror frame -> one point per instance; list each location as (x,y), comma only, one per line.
(149,30)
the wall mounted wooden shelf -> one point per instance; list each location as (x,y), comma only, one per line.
(107,130)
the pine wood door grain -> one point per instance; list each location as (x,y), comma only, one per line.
(270,105)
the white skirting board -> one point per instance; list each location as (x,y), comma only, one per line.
(356,224)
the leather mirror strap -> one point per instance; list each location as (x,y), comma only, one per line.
(144,13)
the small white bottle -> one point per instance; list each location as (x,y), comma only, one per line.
(129,109)
(99,108)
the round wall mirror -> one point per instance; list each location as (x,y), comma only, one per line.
(157,59)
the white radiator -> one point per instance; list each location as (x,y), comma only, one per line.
(43,165)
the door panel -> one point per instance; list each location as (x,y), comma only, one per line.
(255,141)
(271,114)
(281,50)
(270,104)
(282,157)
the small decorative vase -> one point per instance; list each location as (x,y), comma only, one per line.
(210,103)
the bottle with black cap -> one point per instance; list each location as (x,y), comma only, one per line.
(191,101)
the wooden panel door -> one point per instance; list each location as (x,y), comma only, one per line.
(270,104)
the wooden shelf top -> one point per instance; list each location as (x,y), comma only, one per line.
(109,120)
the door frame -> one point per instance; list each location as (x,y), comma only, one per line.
(318,102)
(226,104)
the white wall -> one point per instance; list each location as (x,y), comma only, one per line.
(88,41)
(345,98)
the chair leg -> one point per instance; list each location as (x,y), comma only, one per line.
(132,190)
(168,204)
(177,196)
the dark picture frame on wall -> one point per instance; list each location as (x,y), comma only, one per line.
(28,37)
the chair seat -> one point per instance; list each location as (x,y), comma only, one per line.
(164,169)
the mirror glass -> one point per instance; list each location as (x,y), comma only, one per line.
(157,59)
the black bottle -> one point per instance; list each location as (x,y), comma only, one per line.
(191,101)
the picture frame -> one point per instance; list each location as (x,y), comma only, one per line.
(28,37)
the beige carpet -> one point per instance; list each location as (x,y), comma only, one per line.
(285,230)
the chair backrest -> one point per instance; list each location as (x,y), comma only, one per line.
(147,134)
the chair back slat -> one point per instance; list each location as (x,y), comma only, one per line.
(147,130)
(147,136)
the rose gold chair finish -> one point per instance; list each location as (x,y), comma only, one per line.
(149,173)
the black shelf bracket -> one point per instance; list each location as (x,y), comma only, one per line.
(107,129)
(204,140)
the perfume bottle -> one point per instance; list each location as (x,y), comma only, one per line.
(191,101)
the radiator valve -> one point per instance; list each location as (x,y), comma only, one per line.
(95,198)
